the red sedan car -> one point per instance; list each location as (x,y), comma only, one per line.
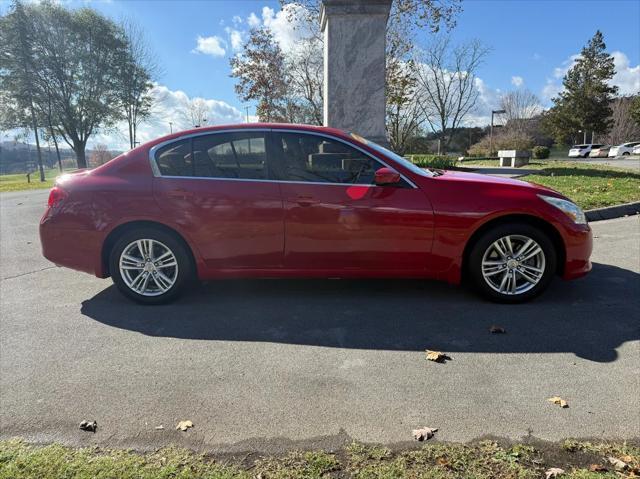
(273,200)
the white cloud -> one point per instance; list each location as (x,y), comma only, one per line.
(626,78)
(235,38)
(210,46)
(253,20)
(287,25)
(517,81)
(171,106)
(236,19)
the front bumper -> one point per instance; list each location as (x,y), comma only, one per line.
(578,246)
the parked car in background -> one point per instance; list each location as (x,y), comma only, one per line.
(297,201)
(582,151)
(623,150)
(601,152)
(636,150)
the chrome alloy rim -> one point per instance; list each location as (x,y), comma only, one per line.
(148,267)
(513,264)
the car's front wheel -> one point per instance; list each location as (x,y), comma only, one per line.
(512,263)
(150,265)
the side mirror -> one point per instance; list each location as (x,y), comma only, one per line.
(387,176)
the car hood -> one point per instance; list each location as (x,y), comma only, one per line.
(462,176)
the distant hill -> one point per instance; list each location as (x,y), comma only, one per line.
(16,157)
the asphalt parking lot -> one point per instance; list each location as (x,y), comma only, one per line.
(272,365)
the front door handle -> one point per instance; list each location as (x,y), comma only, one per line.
(305,200)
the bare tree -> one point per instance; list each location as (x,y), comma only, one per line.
(446,76)
(521,107)
(138,68)
(305,79)
(197,113)
(404,112)
(623,127)
(100,155)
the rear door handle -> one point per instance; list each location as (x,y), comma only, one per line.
(184,194)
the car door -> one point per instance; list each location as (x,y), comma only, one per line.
(217,187)
(337,220)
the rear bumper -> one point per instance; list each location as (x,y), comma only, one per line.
(73,248)
(578,247)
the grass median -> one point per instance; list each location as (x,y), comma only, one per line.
(18,182)
(486,459)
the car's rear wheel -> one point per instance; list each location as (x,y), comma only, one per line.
(150,265)
(512,263)
(626,153)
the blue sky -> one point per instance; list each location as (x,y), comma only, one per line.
(532,41)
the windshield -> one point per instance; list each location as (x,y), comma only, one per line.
(394,156)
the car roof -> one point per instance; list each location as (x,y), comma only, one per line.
(250,126)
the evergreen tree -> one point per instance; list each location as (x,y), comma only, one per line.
(585,101)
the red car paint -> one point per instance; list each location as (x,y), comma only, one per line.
(294,229)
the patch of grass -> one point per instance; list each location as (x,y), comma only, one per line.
(482,460)
(591,186)
(18,181)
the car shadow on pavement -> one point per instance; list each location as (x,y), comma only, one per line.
(590,317)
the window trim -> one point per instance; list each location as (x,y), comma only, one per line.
(156,170)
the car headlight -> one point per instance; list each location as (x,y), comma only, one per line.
(572,210)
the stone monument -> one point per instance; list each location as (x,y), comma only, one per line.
(354,65)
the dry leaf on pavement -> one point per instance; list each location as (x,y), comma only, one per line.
(184,425)
(553,472)
(90,426)
(497,329)
(424,433)
(437,356)
(559,401)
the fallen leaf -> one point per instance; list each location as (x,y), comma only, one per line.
(184,425)
(90,426)
(617,463)
(443,461)
(597,468)
(437,356)
(553,472)
(559,401)
(424,433)
(497,329)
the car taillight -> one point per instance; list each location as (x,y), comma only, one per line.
(56,196)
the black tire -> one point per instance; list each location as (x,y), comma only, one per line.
(626,153)
(484,242)
(183,271)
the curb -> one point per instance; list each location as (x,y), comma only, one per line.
(611,212)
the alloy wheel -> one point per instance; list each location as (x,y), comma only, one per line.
(513,264)
(148,267)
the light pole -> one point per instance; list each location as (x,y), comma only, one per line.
(493,112)
(170,127)
(247,109)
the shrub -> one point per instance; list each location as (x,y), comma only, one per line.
(433,161)
(541,152)
(505,140)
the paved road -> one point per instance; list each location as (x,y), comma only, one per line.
(269,365)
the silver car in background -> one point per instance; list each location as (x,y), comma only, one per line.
(623,150)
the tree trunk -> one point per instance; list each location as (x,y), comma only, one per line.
(35,132)
(79,150)
(55,142)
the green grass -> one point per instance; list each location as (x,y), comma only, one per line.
(19,181)
(589,185)
(482,460)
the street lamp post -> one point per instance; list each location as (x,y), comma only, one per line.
(493,112)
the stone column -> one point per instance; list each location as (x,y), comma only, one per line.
(354,65)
